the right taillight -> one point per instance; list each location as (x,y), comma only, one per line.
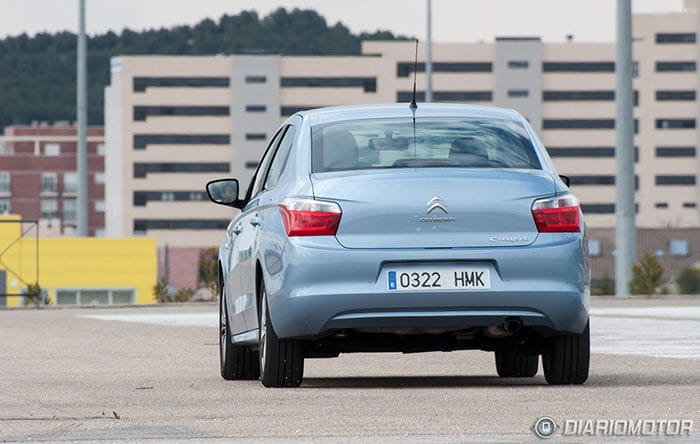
(559,214)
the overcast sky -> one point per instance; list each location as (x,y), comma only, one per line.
(453,20)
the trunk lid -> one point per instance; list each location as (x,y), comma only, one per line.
(434,207)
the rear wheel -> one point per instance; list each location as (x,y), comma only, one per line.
(281,360)
(567,358)
(513,364)
(236,361)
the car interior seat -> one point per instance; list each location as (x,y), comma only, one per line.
(340,150)
(468,151)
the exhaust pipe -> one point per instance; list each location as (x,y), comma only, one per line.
(512,326)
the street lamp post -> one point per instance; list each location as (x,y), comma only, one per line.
(625,234)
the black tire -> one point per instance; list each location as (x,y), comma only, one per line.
(281,360)
(567,358)
(236,361)
(513,364)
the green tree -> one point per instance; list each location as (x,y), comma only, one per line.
(36,295)
(647,275)
(688,280)
(160,291)
(603,287)
(209,269)
(37,74)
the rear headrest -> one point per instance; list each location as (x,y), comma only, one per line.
(468,145)
(339,146)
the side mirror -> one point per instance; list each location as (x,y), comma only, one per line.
(566,180)
(223,192)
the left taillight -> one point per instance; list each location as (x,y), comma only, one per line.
(309,217)
(559,214)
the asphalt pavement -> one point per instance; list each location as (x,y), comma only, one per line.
(145,373)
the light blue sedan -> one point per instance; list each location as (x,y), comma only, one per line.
(385,228)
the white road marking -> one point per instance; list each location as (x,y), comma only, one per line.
(209,319)
(664,332)
(656,312)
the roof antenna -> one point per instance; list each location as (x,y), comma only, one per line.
(415,69)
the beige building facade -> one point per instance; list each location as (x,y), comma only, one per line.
(175,122)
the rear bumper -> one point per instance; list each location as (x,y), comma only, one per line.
(321,287)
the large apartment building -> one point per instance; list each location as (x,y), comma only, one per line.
(39,179)
(173,123)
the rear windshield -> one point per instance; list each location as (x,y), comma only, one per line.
(399,143)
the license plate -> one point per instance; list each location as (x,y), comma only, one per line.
(439,278)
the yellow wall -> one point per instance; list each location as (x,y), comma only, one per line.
(77,263)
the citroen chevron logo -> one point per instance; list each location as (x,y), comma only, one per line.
(436,203)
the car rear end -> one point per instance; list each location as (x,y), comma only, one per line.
(430,232)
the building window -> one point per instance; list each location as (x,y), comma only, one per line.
(594,247)
(255,136)
(446,96)
(52,149)
(592,95)
(368,84)
(49,182)
(675,66)
(99,178)
(5,182)
(141,83)
(603,95)
(592,180)
(518,93)
(675,95)
(70,182)
(142,140)
(49,209)
(289,110)
(94,296)
(582,152)
(141,198)
(100,206)
(675,180)
(4,206)
(675,151)
(100,149)
(196,196)
(255,108)
(143,169)
(593,124)
(675,37)
(404,69)
(578,123)
(578,66)
(251,164)
(675,123)
(689,205)
(70,210)
(607,208)
(255,79)
(143,112)
(143,225)
(518,64)
(661,205)
(678,247)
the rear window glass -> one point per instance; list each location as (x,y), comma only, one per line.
(399,143)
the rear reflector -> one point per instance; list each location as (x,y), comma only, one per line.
(560,214)
(308,217)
